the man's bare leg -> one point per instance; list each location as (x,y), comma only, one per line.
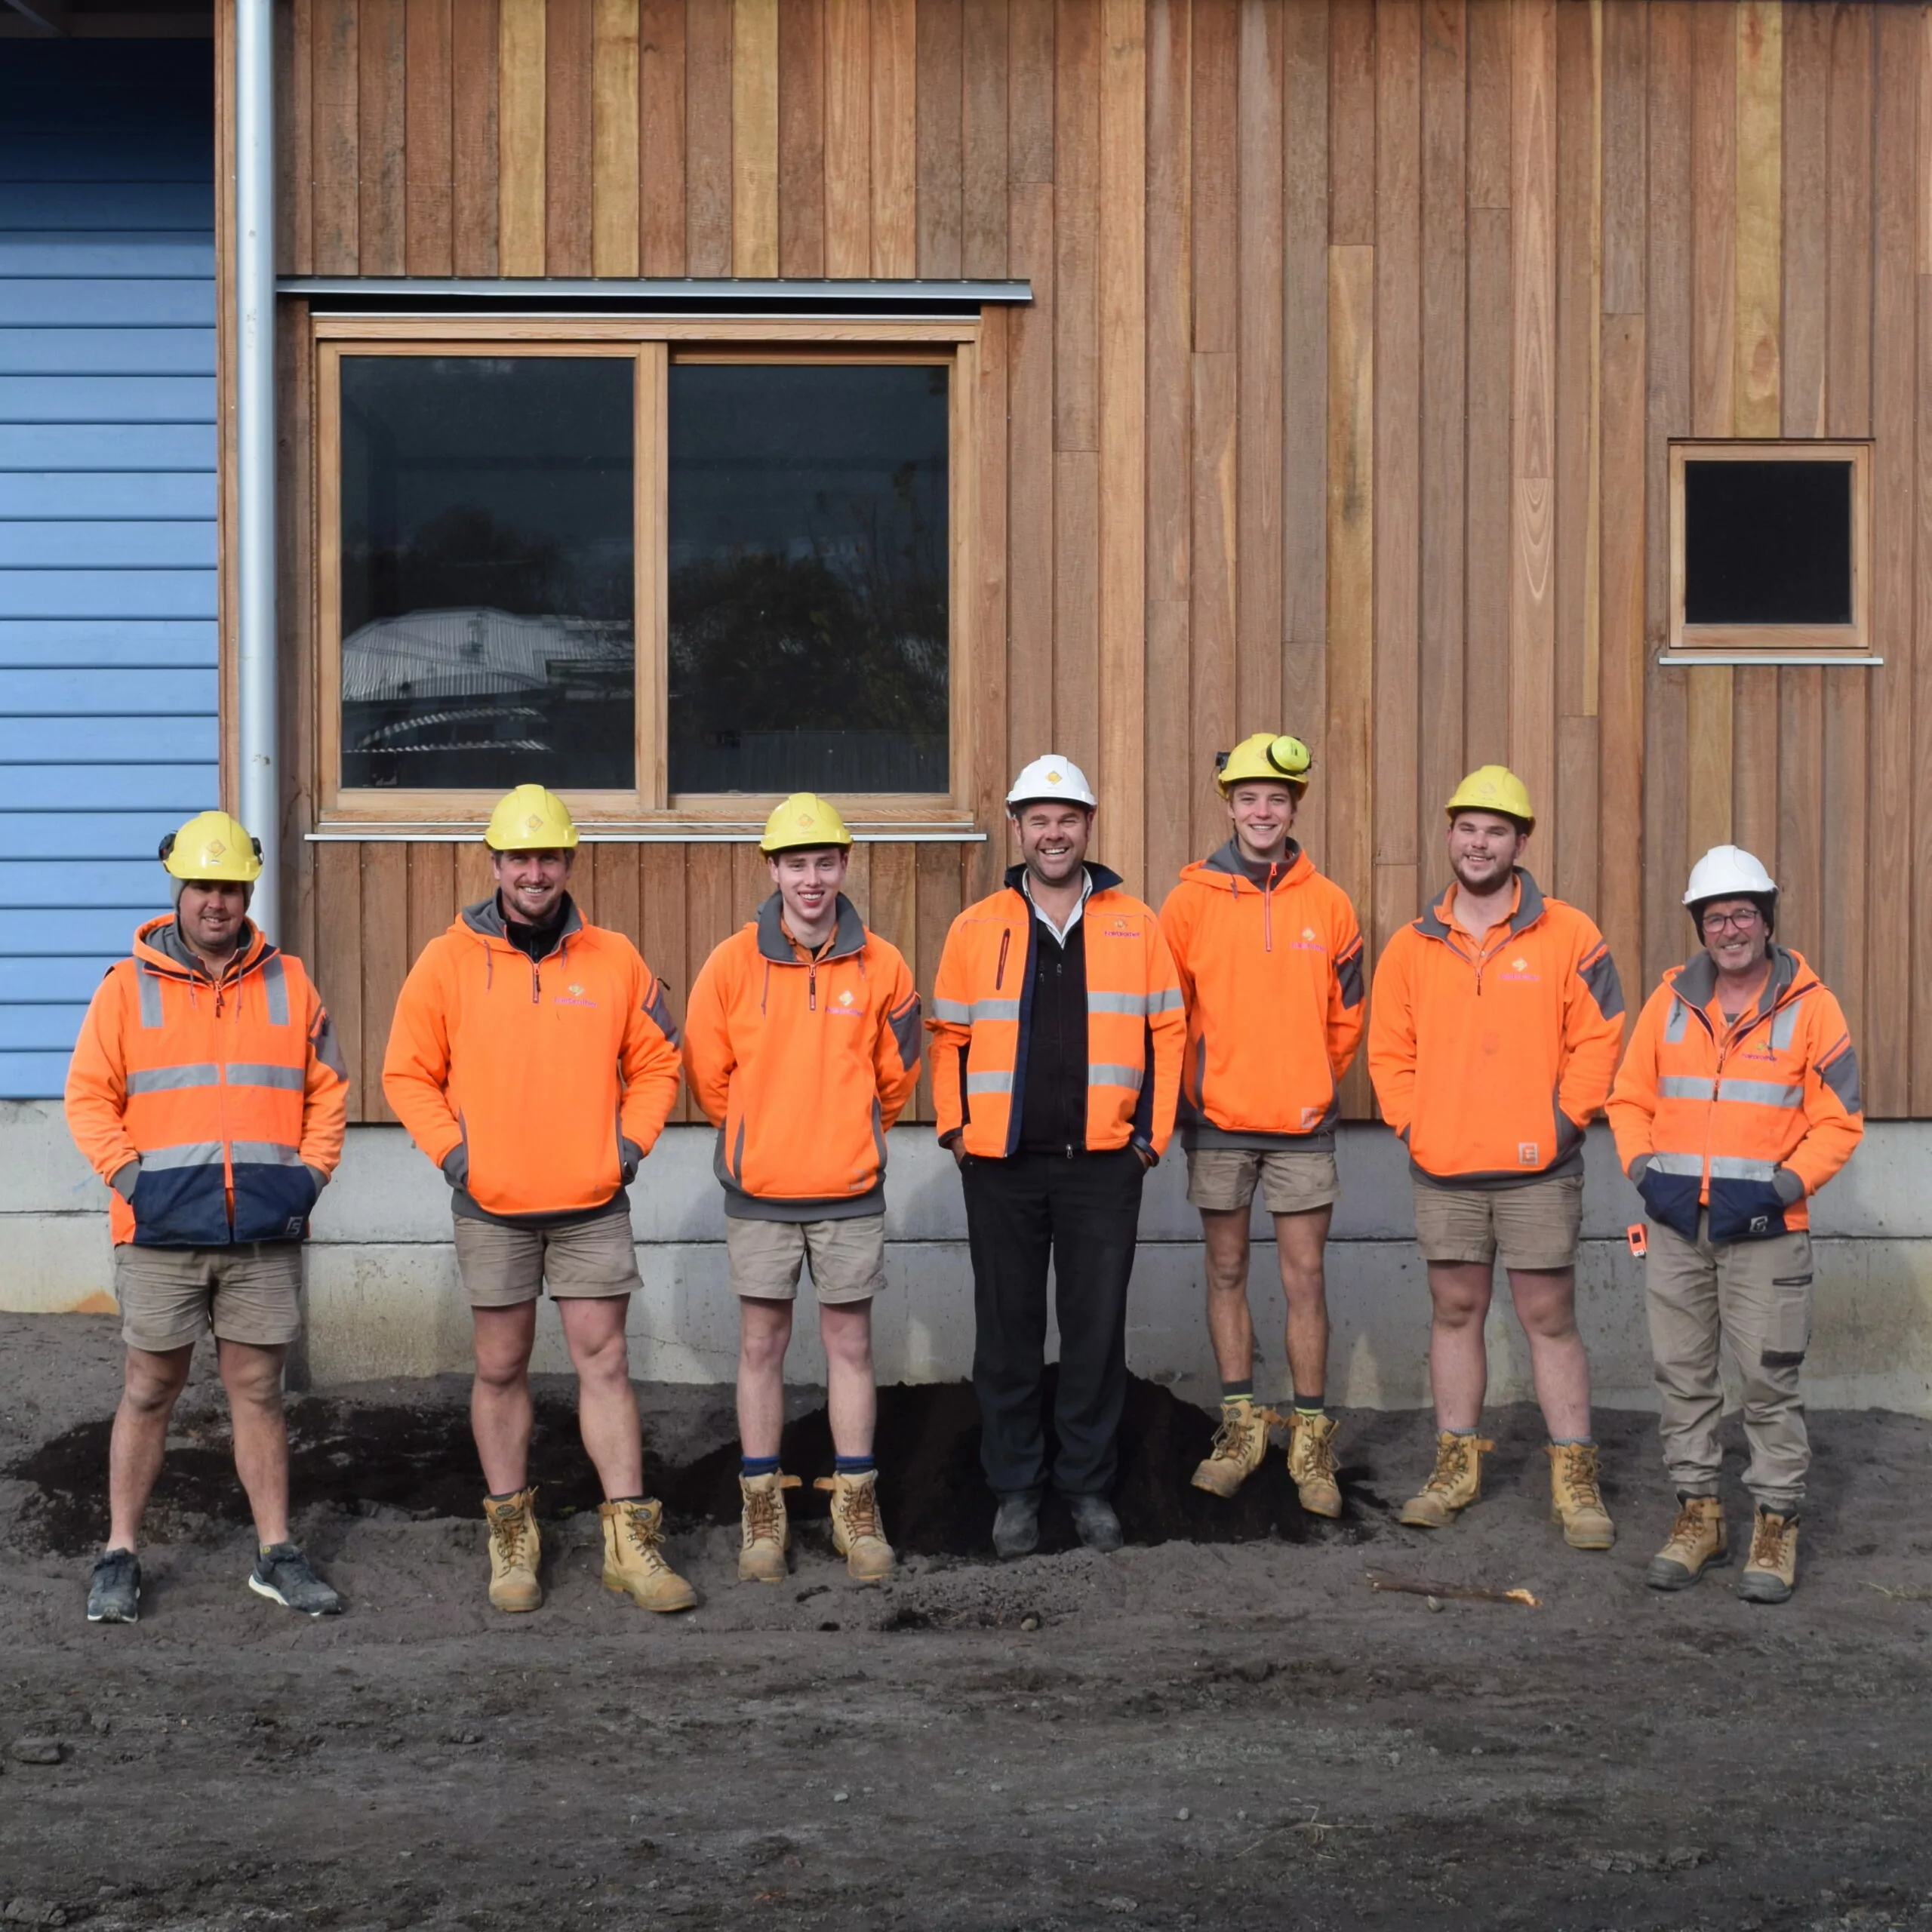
(1458,1362)
(252,1377)
(152,1384)
(1546,1306)
(501,1415)
(764,1333)
(606,1402)
(1230,1324)
(1300,1241)
(851,1392)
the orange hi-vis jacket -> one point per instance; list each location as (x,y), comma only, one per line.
(1490,1056)
(1272,968)
(1747,1119)
(1136,1027)
(538,1069)
(225,1093)
(802,1062)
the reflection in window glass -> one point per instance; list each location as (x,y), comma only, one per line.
(488,631)
(809,578)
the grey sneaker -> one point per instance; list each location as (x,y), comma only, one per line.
(114,1591)
(1016,1528)
(1096,1523)
(281,1574)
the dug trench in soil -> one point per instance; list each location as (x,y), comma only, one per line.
(420,1460)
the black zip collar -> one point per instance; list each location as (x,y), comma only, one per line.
(1103,880)
(486,917)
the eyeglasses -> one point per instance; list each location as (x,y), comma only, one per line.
(1742,922)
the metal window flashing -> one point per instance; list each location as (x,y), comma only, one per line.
(693,835)
(754,296)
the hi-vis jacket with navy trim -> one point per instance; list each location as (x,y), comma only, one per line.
(1746,1120)
(1490,1056)
(1272,968)
(540,1069)
(802,1062)
(211,1101)
(1136,1027)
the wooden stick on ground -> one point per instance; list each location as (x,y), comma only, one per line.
(1466,1592)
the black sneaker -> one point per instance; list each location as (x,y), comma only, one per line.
(1096,1523)
(281,1574)
(114,1591)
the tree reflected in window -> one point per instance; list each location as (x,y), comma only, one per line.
(809,578)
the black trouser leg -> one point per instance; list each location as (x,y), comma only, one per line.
(1095,1202)
(1009,1229)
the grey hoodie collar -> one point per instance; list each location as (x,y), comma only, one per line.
(848,932)
(1529,909)
(486,917)
(1696,981)
(169,940)
(1228,859)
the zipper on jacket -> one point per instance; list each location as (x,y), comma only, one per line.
(999,975)
(1267,911)
(811,985)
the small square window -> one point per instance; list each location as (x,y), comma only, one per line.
(1770,551)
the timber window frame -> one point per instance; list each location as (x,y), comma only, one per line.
(652,343)
(1740,642)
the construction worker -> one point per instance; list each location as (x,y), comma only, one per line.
(1738,1100)
(207,1090)
(533,1058)
(1493,1037)
(1056,1048)
(805,1014)
(1269,957)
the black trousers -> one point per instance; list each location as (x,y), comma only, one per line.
(1083,1211)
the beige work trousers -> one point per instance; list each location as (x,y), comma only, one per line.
(1754,1298)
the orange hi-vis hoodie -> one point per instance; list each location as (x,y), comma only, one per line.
(1270,960)
(1491,1053)
(803,1061)
(210,1100)
(1136,1027)
(539,1070)
(1747,1119)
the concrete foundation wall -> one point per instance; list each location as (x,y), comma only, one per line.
(384,1299)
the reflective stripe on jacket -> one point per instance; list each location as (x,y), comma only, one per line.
(1713,1113)
(1272,974)
(1135,1027)
(802,1064)
(538,1068)
(1489,1057)
(225,1093)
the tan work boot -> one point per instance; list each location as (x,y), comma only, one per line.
(1312,1462)
(633,1561)
(858,1534)
(1575,1500)
(1770,1571)
(1697,1543)
(1454,1484)
(765,1530)
(515,1549)
(1240,1444)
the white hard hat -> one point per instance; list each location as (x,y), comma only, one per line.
(1728,872)
(1052,777)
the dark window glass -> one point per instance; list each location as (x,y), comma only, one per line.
(1767,543)
(809,578)
(488,633)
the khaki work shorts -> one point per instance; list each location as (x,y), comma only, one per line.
(170,1297)
(1536,1225)
(1293,1180)
(847,1257)
(503,1267)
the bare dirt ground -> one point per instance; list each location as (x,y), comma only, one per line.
(1192,1733)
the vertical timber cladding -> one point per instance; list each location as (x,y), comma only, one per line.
(1361,328)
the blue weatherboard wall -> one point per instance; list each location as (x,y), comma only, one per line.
(107,509)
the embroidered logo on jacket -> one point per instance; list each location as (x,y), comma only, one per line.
(1519,969)
(574,994)
(1527,1154)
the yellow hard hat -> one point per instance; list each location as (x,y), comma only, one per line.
(1266,757)
(531,819)
(804,818)
(1493,788)
(212,845)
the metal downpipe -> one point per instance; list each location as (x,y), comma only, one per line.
(257,705)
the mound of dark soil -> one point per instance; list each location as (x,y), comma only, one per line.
(361,1459)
